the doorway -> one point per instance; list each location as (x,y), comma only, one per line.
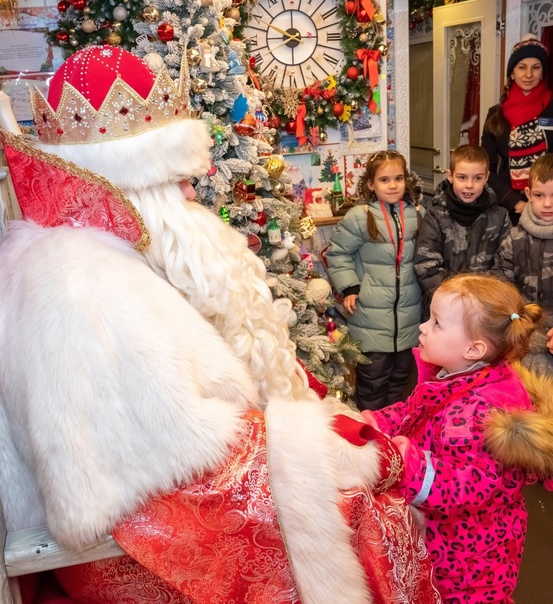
(454,79)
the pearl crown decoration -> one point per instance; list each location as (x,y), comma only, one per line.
(122,113)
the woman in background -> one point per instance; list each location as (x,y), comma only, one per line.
(520,128)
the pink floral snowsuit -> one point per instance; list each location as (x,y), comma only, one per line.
(474,508)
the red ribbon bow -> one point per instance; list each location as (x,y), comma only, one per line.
(300,123)
(370,64)
(315,91)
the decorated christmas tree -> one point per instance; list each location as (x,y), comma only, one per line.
(245,184)
(85,22)
(329,168)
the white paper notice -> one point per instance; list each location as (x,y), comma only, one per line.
(22,51)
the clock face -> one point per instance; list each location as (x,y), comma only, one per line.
(295,41)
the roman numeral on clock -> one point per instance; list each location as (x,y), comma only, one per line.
(330,59)
(332,36)
(329,13)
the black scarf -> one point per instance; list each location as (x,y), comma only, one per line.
(466,213)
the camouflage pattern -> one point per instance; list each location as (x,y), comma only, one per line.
(527,260)
(444,247)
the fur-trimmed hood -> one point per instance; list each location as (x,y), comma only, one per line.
(525,437)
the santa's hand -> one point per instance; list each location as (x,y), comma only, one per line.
(350,303)
(550,340)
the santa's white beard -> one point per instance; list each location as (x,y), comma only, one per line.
(206,259)
(210,263)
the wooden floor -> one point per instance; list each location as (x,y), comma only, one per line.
(535,584)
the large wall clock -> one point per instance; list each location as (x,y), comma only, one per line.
(295,41)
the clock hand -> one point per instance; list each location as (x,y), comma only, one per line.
(285,42)
(282,31)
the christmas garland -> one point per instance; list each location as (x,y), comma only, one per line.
(340,98)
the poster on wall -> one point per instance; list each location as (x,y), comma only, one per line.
(25,61)
(24,52)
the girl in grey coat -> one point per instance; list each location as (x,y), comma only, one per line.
(370,259)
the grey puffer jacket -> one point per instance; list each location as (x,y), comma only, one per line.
(389,306)
(444,247)
(525,257)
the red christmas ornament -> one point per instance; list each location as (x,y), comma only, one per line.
(274,122)
(350,7)
(212,170)
(79,4)
(63,5)
(62,36)
(352,73)
(251,62)
(165,32)
(331,326)
(363,16)
(338,109)
(247,126)
(254,243)
(261,219)
(290,127)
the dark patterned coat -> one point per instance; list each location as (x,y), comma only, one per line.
(526,258)
(497,148)
(444,247)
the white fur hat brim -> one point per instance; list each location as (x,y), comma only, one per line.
(178,151)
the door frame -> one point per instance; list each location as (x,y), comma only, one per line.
(444,17)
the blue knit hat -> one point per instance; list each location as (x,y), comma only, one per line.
(528,47)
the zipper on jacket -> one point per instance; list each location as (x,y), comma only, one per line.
(399,237)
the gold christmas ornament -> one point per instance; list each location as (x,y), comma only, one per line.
(364,38)
(278,188)
(320,110)
(275,166)
(379,18)
(383,48)
(354,105)
(307,227)
(270,138)
(88,26)
(233,13)
(150,14)
(323,136)
(193,57)
(198,85)
(113,39)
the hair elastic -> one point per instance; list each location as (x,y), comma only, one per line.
(515,316)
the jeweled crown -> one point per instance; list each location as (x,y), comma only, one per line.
(81,113)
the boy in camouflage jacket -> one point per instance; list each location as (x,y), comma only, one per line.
(464,225)
(526,258)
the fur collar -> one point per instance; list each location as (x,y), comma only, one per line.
(524,438)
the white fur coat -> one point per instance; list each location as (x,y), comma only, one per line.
(112,387)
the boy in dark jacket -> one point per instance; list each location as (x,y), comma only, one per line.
(464,225)
(526,257)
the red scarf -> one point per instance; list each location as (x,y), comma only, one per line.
(519,108)
(527,140)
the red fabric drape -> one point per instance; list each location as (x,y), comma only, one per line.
(470,128)
(547,41)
